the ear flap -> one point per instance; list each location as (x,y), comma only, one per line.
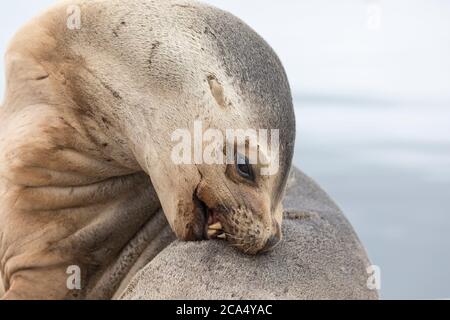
(23,68)
(24,80)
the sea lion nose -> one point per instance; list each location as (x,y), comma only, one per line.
(273,240)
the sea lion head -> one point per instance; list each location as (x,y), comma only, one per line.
(234,82)
(171,83)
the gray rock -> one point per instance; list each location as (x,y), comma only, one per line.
(320,258)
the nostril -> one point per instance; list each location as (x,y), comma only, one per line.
(271,243)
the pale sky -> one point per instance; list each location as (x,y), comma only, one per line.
(328,48)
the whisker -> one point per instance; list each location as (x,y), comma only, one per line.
(232,237)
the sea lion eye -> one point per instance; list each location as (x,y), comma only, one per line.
(244,168)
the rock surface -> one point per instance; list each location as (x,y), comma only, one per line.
(320,258)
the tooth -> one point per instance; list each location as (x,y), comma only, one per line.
(222,236)
(216,226)
(212,233)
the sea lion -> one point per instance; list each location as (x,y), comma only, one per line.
(86,144)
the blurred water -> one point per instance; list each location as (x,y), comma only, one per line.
(388,168)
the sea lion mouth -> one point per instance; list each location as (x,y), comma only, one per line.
(212,228)
(216,225)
